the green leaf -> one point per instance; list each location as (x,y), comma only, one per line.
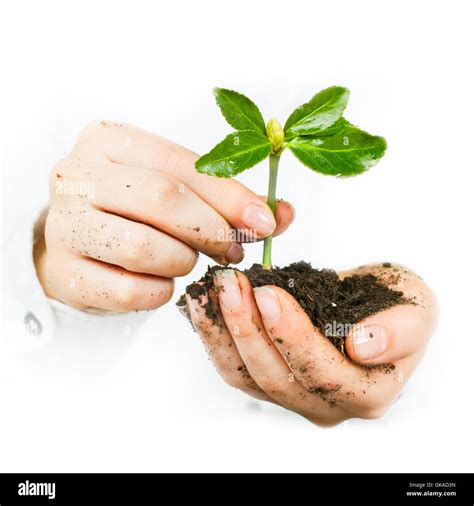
(239,111)
(322,111)
(346,154)
(237,152)
(336,128)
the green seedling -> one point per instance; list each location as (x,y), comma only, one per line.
(316,133)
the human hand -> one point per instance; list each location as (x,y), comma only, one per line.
(128,213)
(264,344)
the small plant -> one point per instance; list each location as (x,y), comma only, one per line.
(316,133)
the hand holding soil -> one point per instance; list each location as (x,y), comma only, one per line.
(327,346)
(264,343)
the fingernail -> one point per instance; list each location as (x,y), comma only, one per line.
(268,303)
(260,218)
(369,341)
(229,295)
(235,253)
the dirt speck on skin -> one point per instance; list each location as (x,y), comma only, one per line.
(244,371)
(386,368)
(326,394)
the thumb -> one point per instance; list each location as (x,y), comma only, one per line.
(393,334)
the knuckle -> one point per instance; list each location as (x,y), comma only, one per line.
(160,190)
(50,228)
(326,423)
(134,253)
(91,129)
(166,189)
(132,295)
(233,380)
(272,386)
(187,262)
(236,376)
(242,329)
(372,412)
(61,166)
(128,296)
(57,173)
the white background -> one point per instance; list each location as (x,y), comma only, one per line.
(162,407)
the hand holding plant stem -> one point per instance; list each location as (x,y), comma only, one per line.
(315,132)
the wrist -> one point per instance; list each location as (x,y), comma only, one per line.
(40,261)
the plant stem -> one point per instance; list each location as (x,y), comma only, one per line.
(271,201)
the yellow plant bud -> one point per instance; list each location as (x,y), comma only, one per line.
(275,135)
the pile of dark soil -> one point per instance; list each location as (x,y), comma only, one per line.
(332,304)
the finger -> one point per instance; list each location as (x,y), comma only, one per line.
(115,240)
(128,145)
(90,285)
(399,332)
(304,348)
(165,203)
(264,363)
(284,216)
(208,323)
